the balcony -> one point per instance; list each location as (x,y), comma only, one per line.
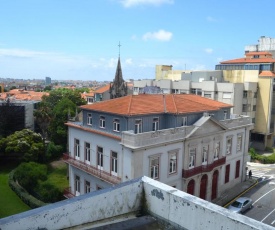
(203,168)
(68,193)
(102,175)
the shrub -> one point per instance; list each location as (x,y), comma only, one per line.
(54,151)
(49,193)
(28,174)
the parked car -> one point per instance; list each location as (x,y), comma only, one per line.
(241,205)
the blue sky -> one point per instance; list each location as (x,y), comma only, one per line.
(78,39)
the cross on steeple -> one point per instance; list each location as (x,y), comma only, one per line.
(119,49)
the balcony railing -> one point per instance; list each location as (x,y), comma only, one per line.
(68,193)
(203,168)
(103,175)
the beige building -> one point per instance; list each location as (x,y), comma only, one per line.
(166,72)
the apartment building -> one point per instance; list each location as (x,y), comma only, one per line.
(183,140)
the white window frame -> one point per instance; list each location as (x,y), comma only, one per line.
(229,145)
(155,123)
(205,150)
(100,159)
(216,150)
(173,162)
(89,119)
(87,152)
(239,142)
(138,126)
(87,186)
(192,157)
(184,121)
(224,114)
(102,122)
(77,149)
(154,167)
(114,163)
(116,125)
(77,185)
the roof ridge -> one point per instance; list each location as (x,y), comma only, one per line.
(173,96)
(130,103)
(164,103)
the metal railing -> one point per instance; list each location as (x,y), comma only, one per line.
(203,168)
(101,174)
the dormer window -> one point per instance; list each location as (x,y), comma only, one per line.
(155,124)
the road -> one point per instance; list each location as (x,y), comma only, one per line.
(263,194)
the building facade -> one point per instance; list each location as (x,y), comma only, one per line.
(186,141)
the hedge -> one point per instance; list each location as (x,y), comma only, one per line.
(28,199)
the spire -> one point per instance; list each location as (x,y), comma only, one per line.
(118,88)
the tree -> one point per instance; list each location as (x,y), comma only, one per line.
(24,143)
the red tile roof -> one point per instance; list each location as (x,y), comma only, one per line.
(264,57)
(23,95)
(157,103)
(267,74)
(103,89)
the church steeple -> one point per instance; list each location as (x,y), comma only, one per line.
(118,88)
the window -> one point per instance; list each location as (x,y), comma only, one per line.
(244,94)
(193,91)
(255,95)
(155,124)
(138,125)
(90,100)
(237,172)
(76,148)
(116,126)
(184,121)
(154,167)
(216,150)
(224,114)
(89,119)
(172,163)
(245,108)
(254,107)
(207,94)
(192,155)
(114,163)
(239,142)
(226,95)
(87,187)
(227,173)
(102,122)
(229,145)
(87,152)
(99,157)
(204,155)
(77,185)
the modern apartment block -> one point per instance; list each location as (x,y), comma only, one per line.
(183,140)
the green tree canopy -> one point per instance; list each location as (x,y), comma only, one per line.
(24,143)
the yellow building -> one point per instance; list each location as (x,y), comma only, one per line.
(256,67)
(166,72)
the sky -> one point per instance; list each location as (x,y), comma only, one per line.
(79,39)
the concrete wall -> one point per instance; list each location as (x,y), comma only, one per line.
(178,208)
(189,212)
(98,205)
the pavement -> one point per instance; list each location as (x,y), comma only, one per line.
(233,193)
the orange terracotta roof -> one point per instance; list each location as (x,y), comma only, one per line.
(157,103)
(24,95)
(264,57)
(103,89)
(267,74)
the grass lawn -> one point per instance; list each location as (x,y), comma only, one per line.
(58,175)
(10,203)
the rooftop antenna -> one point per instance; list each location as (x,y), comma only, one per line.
(119,49)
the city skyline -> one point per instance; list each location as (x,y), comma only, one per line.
(79,40)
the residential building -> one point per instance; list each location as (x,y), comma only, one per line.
(142,203)
(266,44)
(166,72)
(183,140)
(48,81)
(255,67)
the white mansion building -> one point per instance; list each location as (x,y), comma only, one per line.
(186,141)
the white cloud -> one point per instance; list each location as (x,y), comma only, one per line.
(20,53)
(133,3)
(129,61)
(160,35)
(208,50)
(211,19)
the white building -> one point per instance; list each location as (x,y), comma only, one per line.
(186,141)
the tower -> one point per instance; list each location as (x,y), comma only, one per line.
(118,88)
